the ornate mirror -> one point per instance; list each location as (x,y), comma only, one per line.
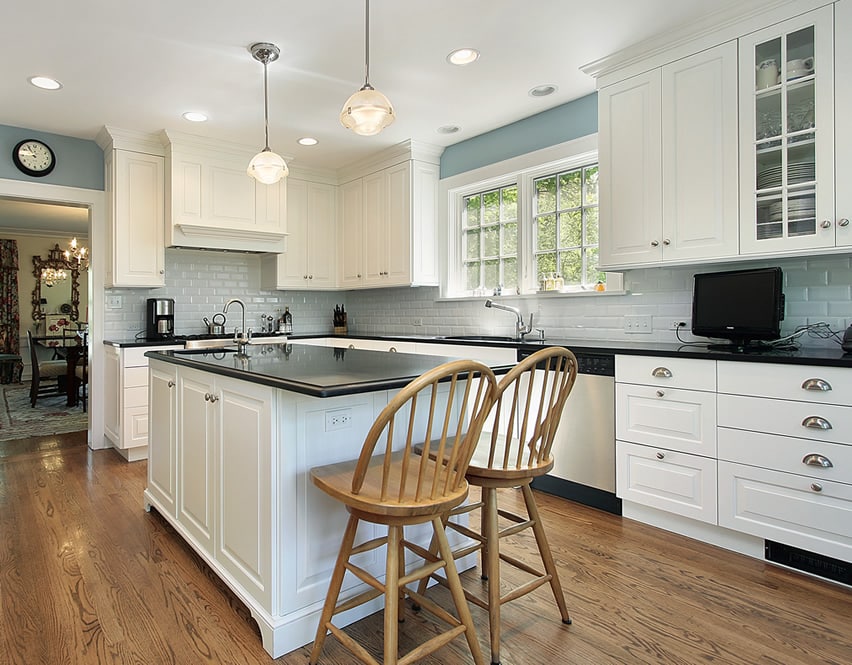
(57,286)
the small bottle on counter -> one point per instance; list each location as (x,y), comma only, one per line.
(558,282)
(287,320)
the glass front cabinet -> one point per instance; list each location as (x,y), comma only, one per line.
(787,184)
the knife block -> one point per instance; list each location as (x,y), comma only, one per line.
(341,330)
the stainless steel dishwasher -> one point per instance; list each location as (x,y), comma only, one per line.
(584,449)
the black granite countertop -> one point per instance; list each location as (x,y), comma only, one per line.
(319,371)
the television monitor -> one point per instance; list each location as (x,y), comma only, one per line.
(741,306)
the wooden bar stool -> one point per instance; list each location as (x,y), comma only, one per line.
(390,484)
(514,448)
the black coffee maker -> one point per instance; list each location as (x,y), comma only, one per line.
(159,319)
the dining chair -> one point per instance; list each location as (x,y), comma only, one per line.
(81,372)
(514,448)
(47,375)
(391,485)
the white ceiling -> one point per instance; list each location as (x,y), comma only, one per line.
(140,65)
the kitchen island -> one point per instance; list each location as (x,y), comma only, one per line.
(232,438)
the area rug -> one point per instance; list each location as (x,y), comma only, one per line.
(51,415)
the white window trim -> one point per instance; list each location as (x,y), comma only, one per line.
(521,170)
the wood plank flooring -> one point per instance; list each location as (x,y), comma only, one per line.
(87,577)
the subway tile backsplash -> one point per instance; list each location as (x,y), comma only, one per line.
(816,289)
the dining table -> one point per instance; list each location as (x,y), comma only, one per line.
(73,348)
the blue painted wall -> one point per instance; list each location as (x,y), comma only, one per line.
(557,125)
(79,163)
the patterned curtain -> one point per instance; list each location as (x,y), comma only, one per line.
(10,319)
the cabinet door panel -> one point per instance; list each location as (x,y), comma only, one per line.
(352,233)
(700,202)
(398,224)
(162,450)
(843,129)
(321,251)
(787,508)
(630,157)
(674,482)
(375,213)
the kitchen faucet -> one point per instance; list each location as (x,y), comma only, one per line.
(244,336)
(520,328)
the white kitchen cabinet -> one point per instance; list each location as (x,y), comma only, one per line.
(310,261)
(371,344)
(394,208)
(668,162)
(787,177)
(842,128)
(134,172)
(162,436)
(213,204)
(126,399)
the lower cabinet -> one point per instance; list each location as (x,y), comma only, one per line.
(162,432)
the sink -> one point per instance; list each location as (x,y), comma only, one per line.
(205,350)
(479,338)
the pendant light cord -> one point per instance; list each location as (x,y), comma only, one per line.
(367,45)
(265,104)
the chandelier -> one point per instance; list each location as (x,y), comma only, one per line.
(51,276)
(77,253)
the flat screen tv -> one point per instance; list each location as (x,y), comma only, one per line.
(741,306)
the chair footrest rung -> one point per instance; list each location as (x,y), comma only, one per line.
(511,516)
(431,645)
(524,589)
(352,645)
(520,565)
(369,545)
(517,528)
(355,601)
(364,576)
(433,608)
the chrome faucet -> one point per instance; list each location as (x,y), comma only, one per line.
(244,336)
(520,328)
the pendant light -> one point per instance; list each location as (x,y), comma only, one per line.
(266,166)
(368,111)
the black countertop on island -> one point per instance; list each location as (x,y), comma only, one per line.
(319,371)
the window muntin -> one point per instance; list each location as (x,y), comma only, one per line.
(490,239)
(565,226)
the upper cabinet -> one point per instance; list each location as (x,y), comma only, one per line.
(724,143)
(133,177)
(213,204)
(387,220)
(310,260)
(787,117)
(668,162)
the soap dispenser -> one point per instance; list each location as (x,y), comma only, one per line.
(287,320)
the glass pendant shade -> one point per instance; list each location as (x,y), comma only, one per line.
(367,112)
(267,167)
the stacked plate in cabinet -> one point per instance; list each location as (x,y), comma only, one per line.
(796,209)
(796,173)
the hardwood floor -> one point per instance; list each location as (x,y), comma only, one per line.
(86,576)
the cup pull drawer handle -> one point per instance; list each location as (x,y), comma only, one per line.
(815,422)
(392,349)
(660,456)
(816,487)
(660,393)
(816,384)
(817,460)
(662,372)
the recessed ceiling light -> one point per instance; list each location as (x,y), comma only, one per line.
(463,56)
(194,116)
(45,83)
(542,90)
(448,129)
(307,140)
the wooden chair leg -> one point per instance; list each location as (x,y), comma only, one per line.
(334,587)
(546,555)
(392,604)
(492,549)
(455,586)
(400,617)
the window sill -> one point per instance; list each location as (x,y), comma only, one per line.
(539,294)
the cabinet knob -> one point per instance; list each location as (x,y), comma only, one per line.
(819,385)
(351,346)
(359,275)
(843,222)
(392,349)
(660,393)
(304,276)
(310,276)
(655,243)
(171,384)
(667,242)
(213,398)
(661,372)
(815,422)
(825,224)
(206,397)
(816,487)
(660,456)
(817,460)
(163,272)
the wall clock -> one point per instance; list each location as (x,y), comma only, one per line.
(34,157)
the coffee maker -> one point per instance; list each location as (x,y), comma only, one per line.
(159,319)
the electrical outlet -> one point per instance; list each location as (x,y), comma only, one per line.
(677,323)
(338,419)
(417,322)
(638,324)
(113,302)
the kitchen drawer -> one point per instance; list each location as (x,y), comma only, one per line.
(787,508)
(135,431)
(824,385)
(786,417)
(135,376)
(683,420)
(786,453)
(135,397)
(135,357)
(674,482)
(666,372)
